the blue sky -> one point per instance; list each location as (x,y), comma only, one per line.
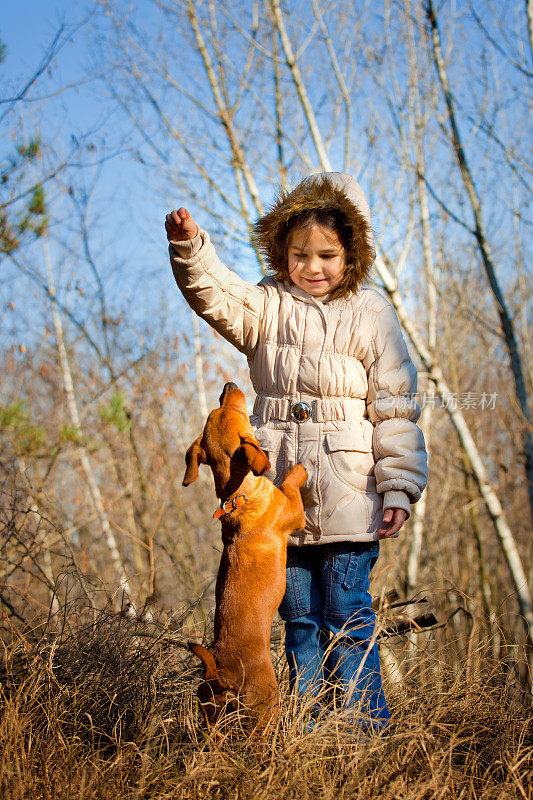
(130,201)
(125,213)
(27,27)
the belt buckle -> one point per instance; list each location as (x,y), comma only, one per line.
(301,411)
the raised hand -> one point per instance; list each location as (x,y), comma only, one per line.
(180,226)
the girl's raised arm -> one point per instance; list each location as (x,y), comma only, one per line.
(232,306)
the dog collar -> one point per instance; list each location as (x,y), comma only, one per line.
(230,505)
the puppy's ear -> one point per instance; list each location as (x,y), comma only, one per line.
(253,456)
(195,455)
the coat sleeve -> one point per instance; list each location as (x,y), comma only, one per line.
(229,304)
(398,442)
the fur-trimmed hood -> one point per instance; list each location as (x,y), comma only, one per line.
(323,191)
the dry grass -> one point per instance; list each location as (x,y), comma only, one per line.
(105,709)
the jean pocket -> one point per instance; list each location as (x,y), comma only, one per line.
(358,565)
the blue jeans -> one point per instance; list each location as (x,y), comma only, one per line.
(329,624)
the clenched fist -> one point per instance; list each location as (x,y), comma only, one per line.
(180,226)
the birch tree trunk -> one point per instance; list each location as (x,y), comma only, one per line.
(226,116)
(486,591)
(290,58)
(241,167)
(41,545)
(493,505)
(485,251)
(529,13)
(94,491)
(415,548)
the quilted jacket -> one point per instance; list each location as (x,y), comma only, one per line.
(345,356)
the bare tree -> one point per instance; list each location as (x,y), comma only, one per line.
(478,232)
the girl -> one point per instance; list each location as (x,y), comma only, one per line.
(335,391)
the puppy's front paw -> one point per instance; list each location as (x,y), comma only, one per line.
(297,475)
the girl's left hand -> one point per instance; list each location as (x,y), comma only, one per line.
(393,519)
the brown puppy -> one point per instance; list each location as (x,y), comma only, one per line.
(257,519)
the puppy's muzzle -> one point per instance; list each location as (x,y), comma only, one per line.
(228,387)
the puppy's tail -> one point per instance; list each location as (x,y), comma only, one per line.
(208,660)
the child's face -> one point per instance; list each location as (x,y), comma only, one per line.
(316,259)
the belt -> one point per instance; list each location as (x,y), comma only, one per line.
(317,409)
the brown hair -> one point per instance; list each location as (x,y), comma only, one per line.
(324,204)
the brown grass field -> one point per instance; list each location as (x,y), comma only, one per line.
(104,707)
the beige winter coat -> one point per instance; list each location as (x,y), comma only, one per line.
(347,357)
